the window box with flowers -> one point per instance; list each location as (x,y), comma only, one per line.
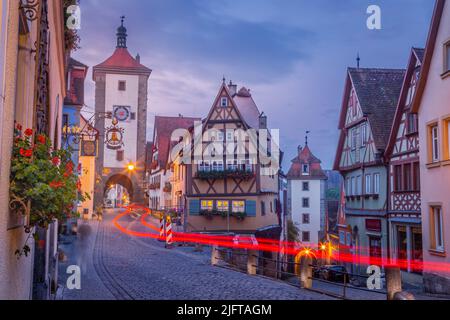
(43,183)
(237,174)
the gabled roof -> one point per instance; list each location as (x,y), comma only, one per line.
(76,63)
(163,129)
(224,88)
(416,56)
(121,61)
(420,53)
(429,52)
(378,91)
(247,107)
(305,156)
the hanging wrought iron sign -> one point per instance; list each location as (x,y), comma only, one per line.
(114,136)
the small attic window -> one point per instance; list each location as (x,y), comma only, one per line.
(122,85)
(224,102)
(305,169)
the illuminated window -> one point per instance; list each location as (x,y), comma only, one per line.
(238,206)
(207,205)
(223,206)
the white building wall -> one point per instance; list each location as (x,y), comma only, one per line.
(129,98)
(296,195)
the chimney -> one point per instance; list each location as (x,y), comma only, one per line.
(262,121)
(138,58)
(232,88)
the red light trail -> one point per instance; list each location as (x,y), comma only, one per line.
(270,245)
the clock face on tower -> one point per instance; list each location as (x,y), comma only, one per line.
(122,113)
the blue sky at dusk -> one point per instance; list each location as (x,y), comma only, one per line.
(293,55)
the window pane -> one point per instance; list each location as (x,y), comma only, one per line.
(448,57)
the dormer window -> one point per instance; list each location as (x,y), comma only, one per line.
(122,85)
(224,102)
(305,169)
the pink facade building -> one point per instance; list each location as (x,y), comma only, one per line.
(432,104)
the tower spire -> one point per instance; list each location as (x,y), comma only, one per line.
(358,60)
(121,34)
(306,138)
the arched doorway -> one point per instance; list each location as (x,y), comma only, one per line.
(118,190)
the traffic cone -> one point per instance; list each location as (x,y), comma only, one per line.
(161,228)
(169,235)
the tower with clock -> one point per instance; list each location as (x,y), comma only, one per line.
(121,86)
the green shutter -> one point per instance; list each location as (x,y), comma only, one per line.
(194,207)
(250,208)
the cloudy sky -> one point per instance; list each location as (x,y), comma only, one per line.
(292,54)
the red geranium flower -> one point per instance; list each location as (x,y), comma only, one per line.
(41,139)
(19,127)
(26,153)
(28,132)
(56,161)
(56,184)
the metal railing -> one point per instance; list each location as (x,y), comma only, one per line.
(345,290)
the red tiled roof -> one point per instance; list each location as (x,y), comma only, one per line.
(121,60)
(305,156)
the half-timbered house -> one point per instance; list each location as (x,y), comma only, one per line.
(404,173)
(232,180)
(367,112)
(161,172)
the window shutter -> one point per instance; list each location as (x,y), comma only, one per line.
(194,207)
(250,208)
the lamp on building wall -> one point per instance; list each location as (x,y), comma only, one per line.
(131,167)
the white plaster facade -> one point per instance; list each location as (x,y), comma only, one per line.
(315,210)
(128,98)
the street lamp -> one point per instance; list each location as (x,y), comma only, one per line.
(131,167)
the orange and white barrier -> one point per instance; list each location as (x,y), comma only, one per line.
(169,235)
(162,231)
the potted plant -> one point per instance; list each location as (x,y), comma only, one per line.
(43,184)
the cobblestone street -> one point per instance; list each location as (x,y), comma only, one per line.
(117,266)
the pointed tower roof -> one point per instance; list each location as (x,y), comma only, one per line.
(305,157)
(122,61)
